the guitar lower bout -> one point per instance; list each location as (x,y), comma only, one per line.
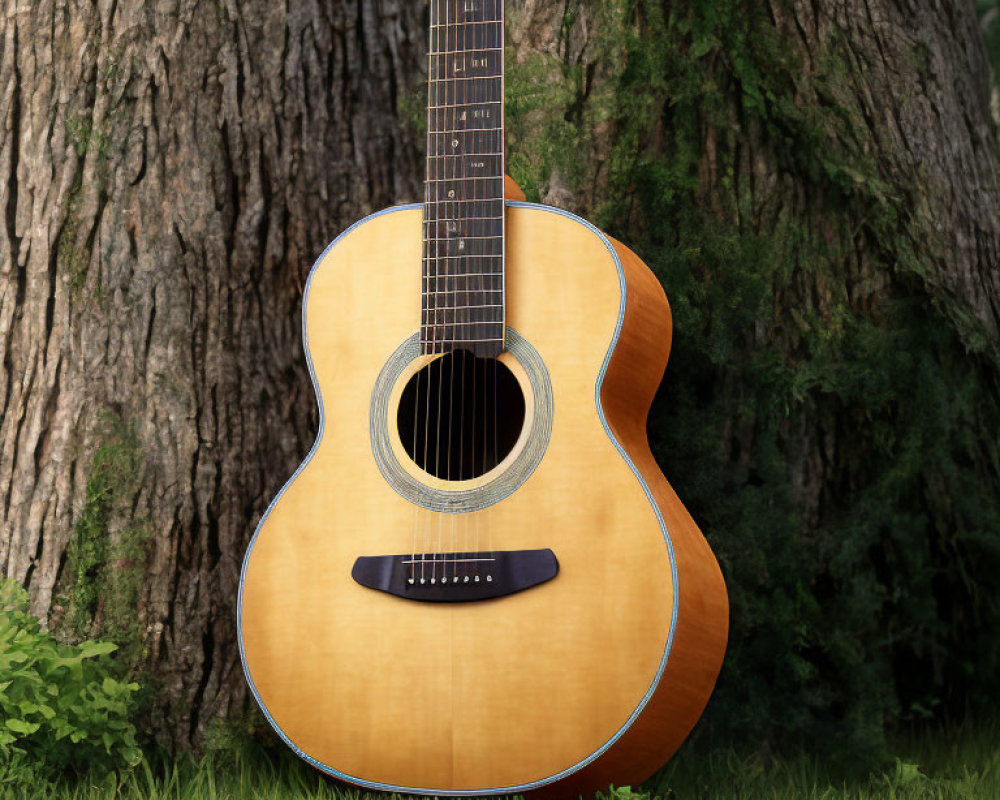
(596,662)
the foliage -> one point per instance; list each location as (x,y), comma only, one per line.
(989,17)
(830,421)
(105,557)
(61,706)
(944,766)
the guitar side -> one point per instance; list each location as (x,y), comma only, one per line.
(702,627)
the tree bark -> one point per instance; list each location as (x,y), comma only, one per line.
(168,173)
(818,186)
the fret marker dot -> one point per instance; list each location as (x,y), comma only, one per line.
(451,193)
(454,142)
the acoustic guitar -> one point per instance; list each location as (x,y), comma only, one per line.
(478,581)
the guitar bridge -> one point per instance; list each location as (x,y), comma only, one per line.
(456,577)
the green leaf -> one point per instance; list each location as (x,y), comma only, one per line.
(89,649)
(22,726)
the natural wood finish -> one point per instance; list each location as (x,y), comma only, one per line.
(487,695)
(511,191)
(703,619)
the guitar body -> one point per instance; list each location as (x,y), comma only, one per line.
(593,676)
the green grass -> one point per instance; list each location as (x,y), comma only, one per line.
(957,764)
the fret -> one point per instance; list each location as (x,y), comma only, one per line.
(442,276)
(481,117)
(477,312)
(431,345)
(468,78)
(462,323)
(428,220)
(433,157)
(455,190)
(462,341)
(470,109)
(459,37)
(442,258)
(463,130)
(472,247)
(464,291)
(464,315)
(453,93)
(484,167)
(477,142)
(456,331)
(441,53)
(463,178)
(481,63)
(485,183)
(485,280)
(450,239)
(448,338)
(478,9)
(464,23)
(463,229)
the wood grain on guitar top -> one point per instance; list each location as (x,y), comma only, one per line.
(503,693)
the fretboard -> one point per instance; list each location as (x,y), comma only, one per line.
(463,261)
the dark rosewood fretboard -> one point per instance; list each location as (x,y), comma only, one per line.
(463,260)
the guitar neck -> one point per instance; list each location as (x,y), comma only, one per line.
(463,257)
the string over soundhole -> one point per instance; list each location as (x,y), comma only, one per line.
(460,415)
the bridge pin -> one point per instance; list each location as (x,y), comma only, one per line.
(489,578)
(477,579)
(423,580)
(444,580)
(466,579)
(409,580)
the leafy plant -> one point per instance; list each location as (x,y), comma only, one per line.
(62,707)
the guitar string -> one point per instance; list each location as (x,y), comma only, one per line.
(433,364)
(428,294)
(503,210)
(479,94)
(486,463)
(470,94)
(475,94)
(459,520)
(437,460)
(454,214)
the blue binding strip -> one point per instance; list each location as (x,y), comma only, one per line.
(600,411)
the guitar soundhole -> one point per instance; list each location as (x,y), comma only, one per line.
(460,415)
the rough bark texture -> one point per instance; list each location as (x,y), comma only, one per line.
(917,96)
(170,170)
(168,173)
(912,90)
(818,185)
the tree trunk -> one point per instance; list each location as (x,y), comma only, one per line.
(168,173)
(816,184)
